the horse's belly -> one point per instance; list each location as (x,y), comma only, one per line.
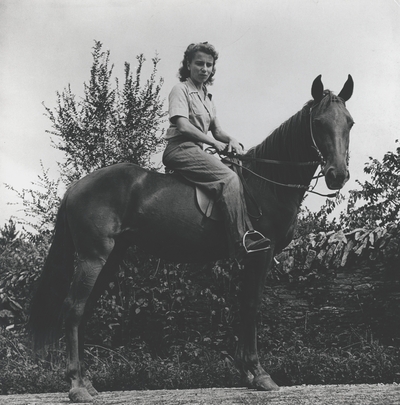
(183,239)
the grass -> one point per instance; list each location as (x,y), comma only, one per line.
(135,369)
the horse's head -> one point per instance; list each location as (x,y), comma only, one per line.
(330,129)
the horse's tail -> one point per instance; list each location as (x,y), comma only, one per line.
(46,313)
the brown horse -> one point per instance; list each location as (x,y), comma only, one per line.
(112,208)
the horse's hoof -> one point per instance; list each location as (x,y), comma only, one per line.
(92,391)
(264,382)
(80,395)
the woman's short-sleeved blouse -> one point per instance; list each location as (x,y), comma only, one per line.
(185,101)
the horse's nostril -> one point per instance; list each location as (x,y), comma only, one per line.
(336,179)
(331,173)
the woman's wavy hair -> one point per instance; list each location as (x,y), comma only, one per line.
(188,56)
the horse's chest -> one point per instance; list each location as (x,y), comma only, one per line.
(279,222)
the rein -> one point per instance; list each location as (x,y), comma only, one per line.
(309,189)
(276,162)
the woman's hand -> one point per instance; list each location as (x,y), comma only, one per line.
(235,147)
(231,144)
(220,146)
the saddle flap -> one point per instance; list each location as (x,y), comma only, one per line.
(204,199)
(207,205)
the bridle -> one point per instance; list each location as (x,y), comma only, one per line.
(235,160)
(322,161)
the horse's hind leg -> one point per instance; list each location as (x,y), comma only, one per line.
(89,265)
(247,359)
(110,267)
(81,287)
(88,384)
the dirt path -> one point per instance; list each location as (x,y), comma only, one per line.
(303,395)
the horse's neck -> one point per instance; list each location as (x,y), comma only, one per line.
(291,142)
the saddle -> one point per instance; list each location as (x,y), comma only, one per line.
(205,201)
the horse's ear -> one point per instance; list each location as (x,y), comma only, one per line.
(347,90)
(317,89)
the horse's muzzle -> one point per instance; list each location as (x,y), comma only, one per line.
(336,179)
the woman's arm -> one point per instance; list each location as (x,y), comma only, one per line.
(221,135)
(186,128)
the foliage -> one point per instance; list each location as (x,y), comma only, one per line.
(109,125)
(22,373)
(160,325)
(162,303)
(379,197)
(21,262)
(8,234)
(40,205)
(134,368)
(315,222)
(377,203)
(370,363)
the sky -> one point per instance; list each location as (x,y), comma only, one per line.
(270,51)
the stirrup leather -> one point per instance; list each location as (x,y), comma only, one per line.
(254,232)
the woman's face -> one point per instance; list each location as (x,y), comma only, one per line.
(201,67)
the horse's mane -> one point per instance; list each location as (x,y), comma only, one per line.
(290,142)
(278,144)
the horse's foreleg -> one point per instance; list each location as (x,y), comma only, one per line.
(247,360)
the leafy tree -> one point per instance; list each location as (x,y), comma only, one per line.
(378,201)
(109,124)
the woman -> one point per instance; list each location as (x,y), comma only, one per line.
(192,115)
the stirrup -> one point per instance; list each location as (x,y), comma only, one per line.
(254,232)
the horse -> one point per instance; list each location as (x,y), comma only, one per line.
(107,211)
